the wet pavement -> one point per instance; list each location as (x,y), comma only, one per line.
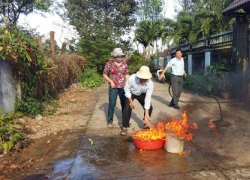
(212,154)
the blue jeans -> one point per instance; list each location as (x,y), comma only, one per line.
(113,93)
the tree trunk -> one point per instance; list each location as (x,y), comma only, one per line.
(40,41)
(52,43)
(63,49)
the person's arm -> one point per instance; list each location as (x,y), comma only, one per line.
(127,73)
(163,72)
(185,74)
(128,93)
(105,76)
(147,103)
(126,76)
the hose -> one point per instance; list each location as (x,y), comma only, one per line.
(211,95)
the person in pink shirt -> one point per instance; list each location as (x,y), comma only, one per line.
(116,73)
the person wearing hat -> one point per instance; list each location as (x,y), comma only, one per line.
(116,73)
(139,86)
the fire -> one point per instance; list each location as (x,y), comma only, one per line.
(181,128)
(184,153)
(154,133)
(213,126)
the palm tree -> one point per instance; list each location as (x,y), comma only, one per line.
(203,19)
(145,34)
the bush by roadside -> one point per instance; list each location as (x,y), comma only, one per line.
(90,78)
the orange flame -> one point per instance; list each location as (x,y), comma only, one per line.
(184,153)
(213,126)
(181,128)
(154,133)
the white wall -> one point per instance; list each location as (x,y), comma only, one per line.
(7,87)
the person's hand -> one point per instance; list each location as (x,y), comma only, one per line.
(146,119)
(131,105)
(112,84)
(160,77)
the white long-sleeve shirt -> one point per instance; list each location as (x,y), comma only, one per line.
(134,86)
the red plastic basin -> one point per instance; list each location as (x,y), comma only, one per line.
(148,145)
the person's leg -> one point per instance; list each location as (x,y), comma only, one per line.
(126,113)
(121,96)
(171,102)
(180,86)
(113,92)
(175,90)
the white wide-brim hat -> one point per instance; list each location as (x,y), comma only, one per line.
(144,73)
(117,53)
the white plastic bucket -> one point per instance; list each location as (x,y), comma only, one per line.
(173,144)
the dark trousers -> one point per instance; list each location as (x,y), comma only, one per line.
(177,84)
(113,93)
(126,113)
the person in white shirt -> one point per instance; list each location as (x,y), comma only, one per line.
(139,86)
(178,71)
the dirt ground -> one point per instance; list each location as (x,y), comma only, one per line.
(52,137)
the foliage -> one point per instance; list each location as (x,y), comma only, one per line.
(100,25)
(199,19)
(19,47)
(46,47)
(218,76)
(9,133)
(50,107)
(168,76)
(97,51)
(29,106)
(110,18)
(216,79)
(38,75)
(11,10)
(148,32)
(198,84)
(68,69)
(135,62)
(90,78)
(150,9)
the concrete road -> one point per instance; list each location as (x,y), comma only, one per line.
(212,154)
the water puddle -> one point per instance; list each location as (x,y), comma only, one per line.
(73,168)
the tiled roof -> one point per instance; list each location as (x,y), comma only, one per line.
(236,5)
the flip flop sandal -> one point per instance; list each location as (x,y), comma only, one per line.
(110,126)
(124,131)
(146,126)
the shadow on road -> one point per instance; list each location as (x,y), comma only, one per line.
(118,114)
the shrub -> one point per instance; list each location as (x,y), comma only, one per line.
(135,62)
(90,78)
(9,134)
(168,76)
(197,83)
(29,106)
(66,69)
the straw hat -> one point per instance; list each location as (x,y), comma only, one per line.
(144,73)
(117,53)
